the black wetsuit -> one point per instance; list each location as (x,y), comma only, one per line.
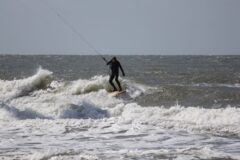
(114,66)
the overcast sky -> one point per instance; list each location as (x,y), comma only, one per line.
(120,26)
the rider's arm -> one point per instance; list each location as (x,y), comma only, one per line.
(121,69)
(109,62)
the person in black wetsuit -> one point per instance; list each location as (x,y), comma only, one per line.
(114,66)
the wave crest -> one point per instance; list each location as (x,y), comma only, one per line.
(16,88)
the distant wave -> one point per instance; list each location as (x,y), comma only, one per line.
(236,85)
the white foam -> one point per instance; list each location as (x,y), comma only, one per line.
(135,89)
(56,154)
(216,121)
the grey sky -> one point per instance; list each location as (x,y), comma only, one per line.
(120,26)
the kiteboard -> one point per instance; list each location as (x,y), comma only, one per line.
(116,93)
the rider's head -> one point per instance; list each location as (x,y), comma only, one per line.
(114,59)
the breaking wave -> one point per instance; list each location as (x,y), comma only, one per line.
(16,88)
(96,83)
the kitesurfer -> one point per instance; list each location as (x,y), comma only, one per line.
(114,66)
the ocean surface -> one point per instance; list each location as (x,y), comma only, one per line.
(175,108)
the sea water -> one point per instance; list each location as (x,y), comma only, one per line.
(175,107)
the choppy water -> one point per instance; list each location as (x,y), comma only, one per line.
(175,107)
